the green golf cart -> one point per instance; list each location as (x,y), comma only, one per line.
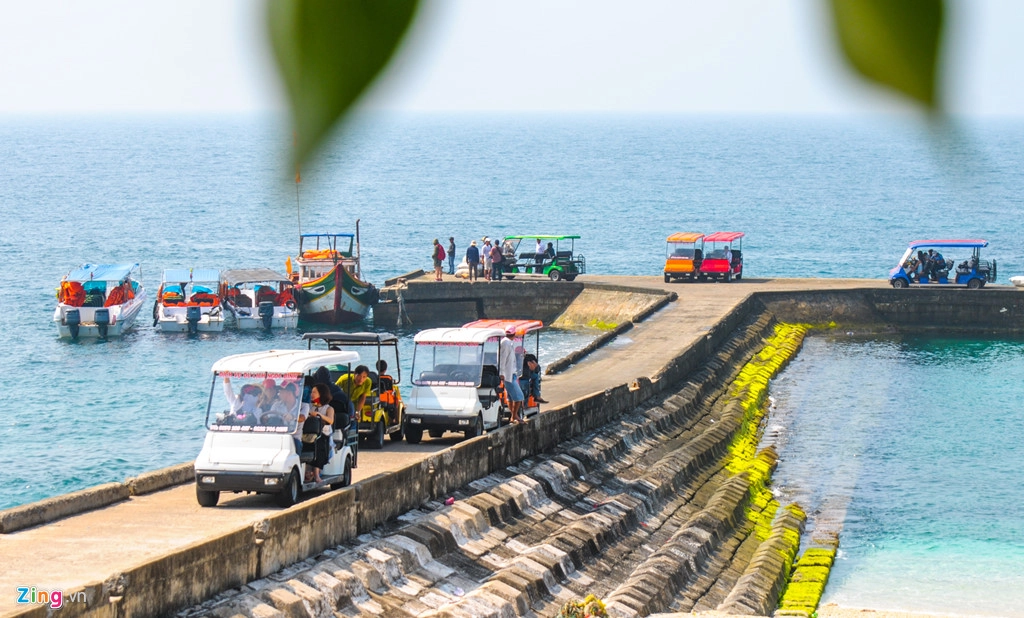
(553,261)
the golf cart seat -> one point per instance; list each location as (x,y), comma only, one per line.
(490,377)
(311,430)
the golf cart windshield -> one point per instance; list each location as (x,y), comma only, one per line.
(447,364)
(257,402)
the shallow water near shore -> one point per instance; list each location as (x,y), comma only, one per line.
(915,446)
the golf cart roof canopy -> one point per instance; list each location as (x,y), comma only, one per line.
(283,361)
(685,237)
(516,327)
(967,242)
(364,338)
(453,336)
(543,237)
(723,236)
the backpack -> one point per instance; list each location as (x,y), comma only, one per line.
(440,252)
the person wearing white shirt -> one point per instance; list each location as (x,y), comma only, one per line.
(507,368)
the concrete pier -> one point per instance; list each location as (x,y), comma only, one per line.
(155,553)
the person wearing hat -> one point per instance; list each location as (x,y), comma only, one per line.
(473,260)
(451,255)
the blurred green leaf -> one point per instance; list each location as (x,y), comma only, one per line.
(328,52)
(893,42)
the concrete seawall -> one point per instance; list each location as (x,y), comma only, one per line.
(422,303)
(253,552)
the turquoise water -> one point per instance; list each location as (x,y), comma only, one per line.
(916,446)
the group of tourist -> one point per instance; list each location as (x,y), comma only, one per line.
(490,260)
(926,265)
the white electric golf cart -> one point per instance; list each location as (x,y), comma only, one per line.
(454,383)
(254,420)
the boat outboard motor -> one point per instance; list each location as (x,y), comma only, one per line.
(192,316)
(267,313)
(73,318)
(102,321)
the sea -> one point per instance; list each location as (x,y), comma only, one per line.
(914,446)
(816,197)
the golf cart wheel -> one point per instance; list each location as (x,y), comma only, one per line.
(727,278)
(396,436)
(899,283)
(290,492)
(477,428)
(206,497)
(974,284)
(739,276)
(413,436)
(346,477)
(435,433)
(555,275)
(376,439)
(570,277)
(668,279)
(509,277)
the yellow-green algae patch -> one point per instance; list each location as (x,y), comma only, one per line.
(810,573)
(807,582)
(750,389)
(602,325)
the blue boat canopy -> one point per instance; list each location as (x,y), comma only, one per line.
(102,272)
(965,242)
(183,275)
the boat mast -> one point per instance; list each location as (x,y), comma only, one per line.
(359,261)
(298,179)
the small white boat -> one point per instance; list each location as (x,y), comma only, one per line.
(1017,281)
(189,301)
(260,298)
(99,300)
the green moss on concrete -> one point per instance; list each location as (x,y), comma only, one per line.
(808,580)
(750,389)
(602,325)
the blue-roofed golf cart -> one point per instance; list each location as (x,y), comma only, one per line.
(917,267)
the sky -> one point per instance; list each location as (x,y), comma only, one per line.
(64,57)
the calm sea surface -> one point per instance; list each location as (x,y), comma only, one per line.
(817,198)
(915,446)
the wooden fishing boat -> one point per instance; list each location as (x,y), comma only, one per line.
(330,285)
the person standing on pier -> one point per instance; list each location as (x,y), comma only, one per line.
(451,255)
(507,369)
(497,262)
(473,259)
(438,257)
(487,258)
